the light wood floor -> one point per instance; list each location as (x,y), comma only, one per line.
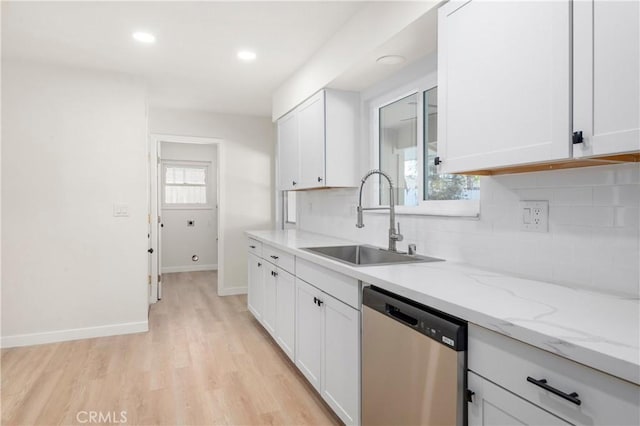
(204,361)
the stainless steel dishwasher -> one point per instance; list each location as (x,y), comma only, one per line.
(413,363)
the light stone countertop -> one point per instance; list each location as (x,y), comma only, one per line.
(595,329)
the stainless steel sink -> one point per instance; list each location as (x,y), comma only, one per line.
(365,255)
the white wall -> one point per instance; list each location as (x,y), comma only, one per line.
(380,21)
(179,241)
(249,180)
(74,143)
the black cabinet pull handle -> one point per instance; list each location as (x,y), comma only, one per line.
(437,161)
(320,302)
(150,251)
(274,257)
(252,246)
(294,183)
(571,397)
(275,274)
(319,179)
(315,300)
(470,395)
(577,137)
(259,264)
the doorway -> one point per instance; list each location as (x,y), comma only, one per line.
(185,230)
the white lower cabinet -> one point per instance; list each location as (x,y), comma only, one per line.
(515,383)
(317,325)
(309,332)
(255,291)
(340,382)
(492,405)
(270,300)
(285,312)
(328,349)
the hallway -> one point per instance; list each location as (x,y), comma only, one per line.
(204,361)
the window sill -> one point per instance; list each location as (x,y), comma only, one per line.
(186,207)
(469,209)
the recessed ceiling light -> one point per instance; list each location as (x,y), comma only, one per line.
(390,60)
(246,55)
(143,37)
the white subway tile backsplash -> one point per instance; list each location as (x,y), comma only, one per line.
(572,196)
(583,176)
(627,217)
(618,195)
(581,215)
(627,173)
(593,238)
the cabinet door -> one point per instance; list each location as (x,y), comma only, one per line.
(311,126)
(492,405)
(606,90)
(308,332)
(503,83)
(288,151)
(285,312)
(255,290)
(270,300)
(341,359)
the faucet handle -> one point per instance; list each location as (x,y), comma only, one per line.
(397,236)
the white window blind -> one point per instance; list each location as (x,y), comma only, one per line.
(185,185)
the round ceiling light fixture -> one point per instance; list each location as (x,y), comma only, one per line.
(246,55)
(390,60)
(144,37)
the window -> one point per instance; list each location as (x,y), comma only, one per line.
(289,207)
(185,185)
(405,130)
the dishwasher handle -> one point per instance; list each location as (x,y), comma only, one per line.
(400,316)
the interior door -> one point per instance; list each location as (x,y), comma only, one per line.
(155,188)
(157,275)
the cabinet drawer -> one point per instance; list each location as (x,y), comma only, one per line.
(342,287)
(507,362)
(255,247)
(279,258)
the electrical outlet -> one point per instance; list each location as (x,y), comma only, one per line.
(534,216)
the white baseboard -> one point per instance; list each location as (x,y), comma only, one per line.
(74,334)
(190,268)
(232,291)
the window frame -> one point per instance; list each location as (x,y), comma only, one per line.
(286,217)
(456,208)
(187,164)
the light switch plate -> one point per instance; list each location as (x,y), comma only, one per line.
(534,216)
(120,210)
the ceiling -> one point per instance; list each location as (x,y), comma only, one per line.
(413,42)
(193,63)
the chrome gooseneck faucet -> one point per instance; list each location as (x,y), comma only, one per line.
(394,236)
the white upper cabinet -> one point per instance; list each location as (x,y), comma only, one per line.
(288,151)
(318,142)
(606,69)
(311,122)
(503,83)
